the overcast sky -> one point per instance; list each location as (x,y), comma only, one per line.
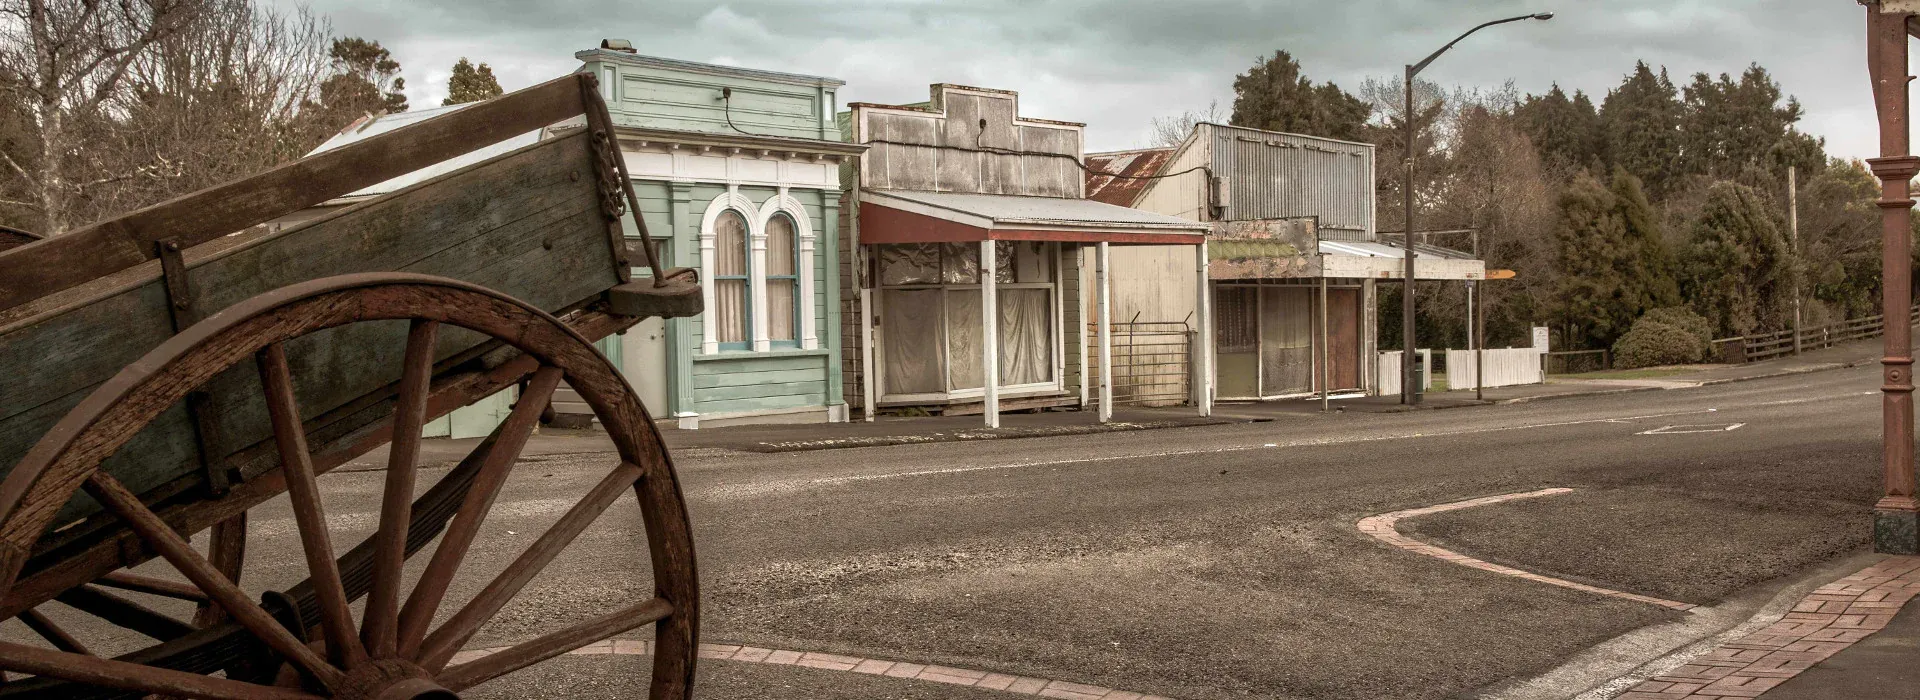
(1117,64)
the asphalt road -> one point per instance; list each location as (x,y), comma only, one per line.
(1211,562)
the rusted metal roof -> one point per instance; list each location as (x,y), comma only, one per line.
(1121,191)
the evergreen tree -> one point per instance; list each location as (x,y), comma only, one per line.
(366,80)
(1737,270)
(1614,266)
(1729,126)
(1591,234)
(471,84)
(1644,262)
(1275,96)
(1640,121)
(1567,131)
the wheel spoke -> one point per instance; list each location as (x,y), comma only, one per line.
(59,638)
(125,613)
(528,653)
(96,671)
(431,589)
(441,645)
(154,586)
(176,550)
(227,550)
(381,623)
(336,618)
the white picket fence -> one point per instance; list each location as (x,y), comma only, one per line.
(1389,380)
(1504,367)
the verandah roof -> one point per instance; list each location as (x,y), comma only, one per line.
(902,216)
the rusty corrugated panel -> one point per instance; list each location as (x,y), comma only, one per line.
(1122,191)
(1278,175)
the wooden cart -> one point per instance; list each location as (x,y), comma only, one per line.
(162,375)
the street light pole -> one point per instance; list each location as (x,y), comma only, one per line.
(1896,517)
(1407,392)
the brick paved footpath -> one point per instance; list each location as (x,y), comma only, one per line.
(1020,685)
(1831,618)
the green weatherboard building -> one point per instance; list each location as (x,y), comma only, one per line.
(738,175)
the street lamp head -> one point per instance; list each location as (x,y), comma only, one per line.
(1543,15)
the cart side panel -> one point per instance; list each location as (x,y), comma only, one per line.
(527,223)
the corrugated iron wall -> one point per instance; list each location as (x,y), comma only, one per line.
(1286,175)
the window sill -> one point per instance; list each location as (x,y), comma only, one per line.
(725,355)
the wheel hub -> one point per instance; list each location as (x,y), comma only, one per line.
(391,680)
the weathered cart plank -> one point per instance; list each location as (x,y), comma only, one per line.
(527,223)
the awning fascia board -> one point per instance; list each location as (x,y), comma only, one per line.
(886,219)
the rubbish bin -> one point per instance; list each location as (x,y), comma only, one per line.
(1419,373)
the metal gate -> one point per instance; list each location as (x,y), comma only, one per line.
(1152,361)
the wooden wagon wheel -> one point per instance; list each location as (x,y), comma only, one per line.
(394,653)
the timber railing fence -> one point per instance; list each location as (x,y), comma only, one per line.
(1767,346)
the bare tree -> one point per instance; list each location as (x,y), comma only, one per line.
(221,99)
(1171,131)
(62,62)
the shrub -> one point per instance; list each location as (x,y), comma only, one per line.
(1651,343)
(1686,319)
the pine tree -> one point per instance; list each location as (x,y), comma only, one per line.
(1737,270)
(366,80)
(1644,263)
(1275,96)
(471,84)
(1591,234)
(1640,121)
(1567,131)
(1729,126)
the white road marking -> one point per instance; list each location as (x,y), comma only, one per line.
(1685,429)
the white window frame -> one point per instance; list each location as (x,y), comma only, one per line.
(783,201)
(756,283)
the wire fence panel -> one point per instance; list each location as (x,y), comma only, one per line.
(1152,362)
(1577,361)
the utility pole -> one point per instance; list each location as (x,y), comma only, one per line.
(1408,390)
(1793,234)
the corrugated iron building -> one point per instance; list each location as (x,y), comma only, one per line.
(1295,257)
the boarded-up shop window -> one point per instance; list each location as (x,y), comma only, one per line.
(915,358)
(909,264)
(960,263)
(963,340)
(730,279)
(1286,327)
(1237,326)
(941,328)
(783,279)
(1032,262)
(1026,336)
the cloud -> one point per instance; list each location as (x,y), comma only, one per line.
(1117,64)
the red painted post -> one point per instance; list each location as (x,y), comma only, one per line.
(1896,529)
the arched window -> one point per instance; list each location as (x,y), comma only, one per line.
(731,275)
(784,301)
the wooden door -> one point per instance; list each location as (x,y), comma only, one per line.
(1343,329)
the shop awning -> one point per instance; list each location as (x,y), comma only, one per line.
(1378,260)
(901,216)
